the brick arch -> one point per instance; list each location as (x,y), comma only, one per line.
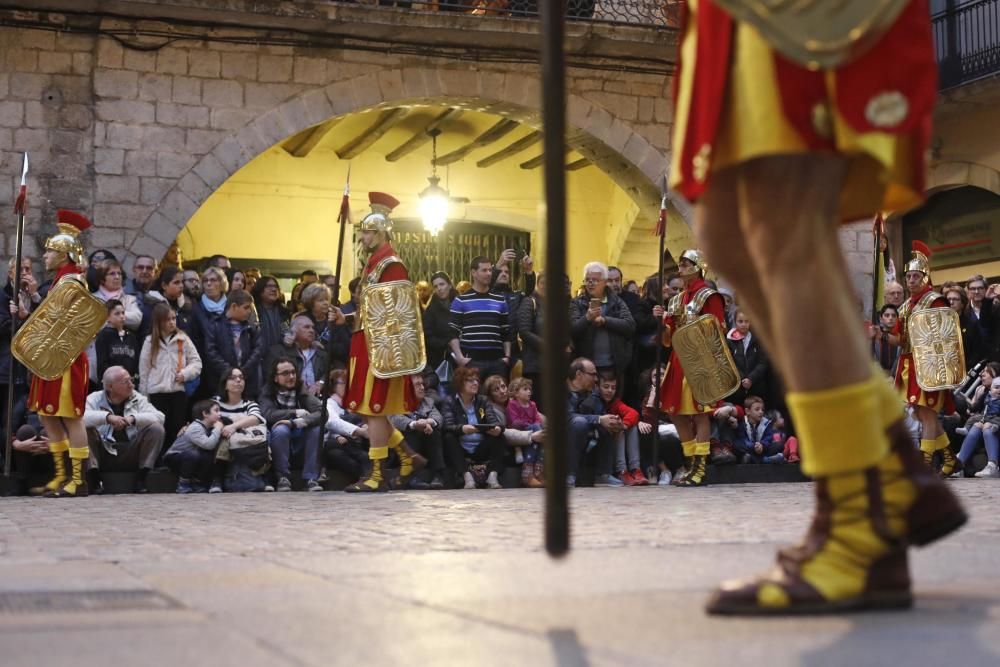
(946,175)
(627,157)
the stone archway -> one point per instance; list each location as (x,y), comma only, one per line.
(622,153)
(946,175)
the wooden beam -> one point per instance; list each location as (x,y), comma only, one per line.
(515,148)
(536,161)
(495,133)
(301,144)
(422,137)
(579,164)
(359,144)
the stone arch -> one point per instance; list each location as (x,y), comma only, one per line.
(947,175)
(627,157)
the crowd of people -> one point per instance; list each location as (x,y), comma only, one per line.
(221,377)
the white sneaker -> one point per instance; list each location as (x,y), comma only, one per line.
(470,482)
(492,481)
(518,455)
(664,479)
(991,470)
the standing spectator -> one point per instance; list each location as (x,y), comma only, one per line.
(437,319)
(220,262)
(422,429)
(601,324)
(13,377)
(169,288)
(647,331)
(529,328)
(309,356)
(631,299)
(237,280)
(633,287)
(985,310)
(108,275)
(93,261)
(885,352)
(192,456)
(751,361)
(115,345)
(354,289)
(238,414)
(973,342)
(271,312)
(192,285)
(168,361)
(253,275)
(673,287)
(586,418)
(894,294)
(211,307)
(346,446)
(296,418)
(471,430)
(480,325)
(125,430)
(143,272)
(233,342)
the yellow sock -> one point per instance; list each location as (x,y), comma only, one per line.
(942,441)
(890,402)
(841,430)
(395,439)
(56,446)
(689,448)
(702,448)
(929,446)
(378,453)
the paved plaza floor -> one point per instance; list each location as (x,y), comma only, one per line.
(456,578)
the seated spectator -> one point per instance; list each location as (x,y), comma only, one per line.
(751,360)
(115,345)
(523,415)
(125,431)
(31,457)
(982,428)
(885,352)
(726,418)
(790,443)
(346,443)
(167,363)
(296,421)
(601,324)
(471,430)
(192,456)
(336,339)
(628,467)
(234,342)
(527,439)
(422,430)
(587,419)
(309,356)
(239,469)
(668,455)
(755,436)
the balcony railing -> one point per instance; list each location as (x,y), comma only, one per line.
(657,13)
(967,41)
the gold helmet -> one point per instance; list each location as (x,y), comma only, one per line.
(697,258)
(67,239)
(378,220)
(921,260)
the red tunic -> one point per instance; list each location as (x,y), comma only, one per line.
(674,394)
(367,394)
(906,377)
(65,396)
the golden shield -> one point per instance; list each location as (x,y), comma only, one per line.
(818,33)
(394,332)
(707,362)
(59,330)
(936,340)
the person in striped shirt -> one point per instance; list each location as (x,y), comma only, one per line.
(480,323)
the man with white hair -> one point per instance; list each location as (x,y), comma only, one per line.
(310,359)
(124,430)
(601,324)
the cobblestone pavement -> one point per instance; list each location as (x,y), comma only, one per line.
(459,577)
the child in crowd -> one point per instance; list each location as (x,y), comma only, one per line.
(755,440)
(726,422)
(628,467)
(667,452)
(234,342)
(983,427)
(116,345)
(790,444)
(192,456)
(523,415)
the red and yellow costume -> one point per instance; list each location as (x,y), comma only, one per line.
(367,394)
(906,378)
(876,108)
(65,396)
(675,394)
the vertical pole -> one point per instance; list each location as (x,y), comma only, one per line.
(556,302)
(20,208)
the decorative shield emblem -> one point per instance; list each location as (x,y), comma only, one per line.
(936,340)
(707,362)
(59,330)
(818,33)
(394,332)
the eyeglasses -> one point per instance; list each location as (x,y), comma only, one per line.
(285,373)
(593,373)
(191,280)
(591,281)
(143,267)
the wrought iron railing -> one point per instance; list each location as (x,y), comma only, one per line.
(659,13)
(967,41)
